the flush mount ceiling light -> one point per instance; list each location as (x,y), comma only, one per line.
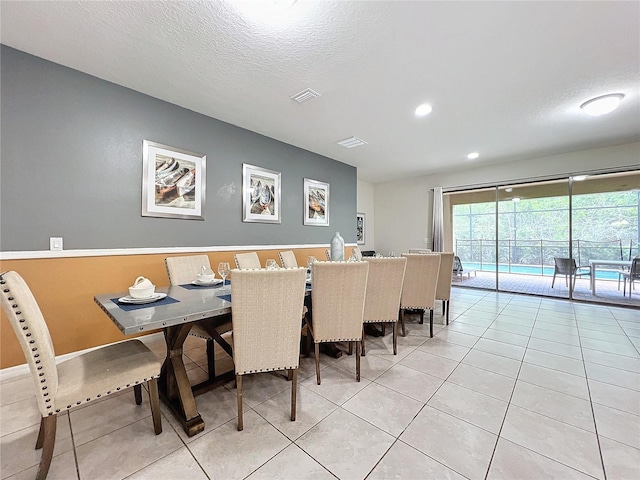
(603,104)
(508,190)
(473,155)
(515,199)
(423,110)
(579,178)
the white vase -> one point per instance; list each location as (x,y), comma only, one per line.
(337,248)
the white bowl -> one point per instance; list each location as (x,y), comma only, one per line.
(206,278)
(142,292)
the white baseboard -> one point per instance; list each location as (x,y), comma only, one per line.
(18,370)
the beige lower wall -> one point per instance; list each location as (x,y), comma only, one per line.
(64,289)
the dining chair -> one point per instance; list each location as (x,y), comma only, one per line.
(288,259)
(356,253)
(382,299)
(632,275)
(327,254)
(266,309)
(445,275)
(419,250)
(419,287)
(337,299)
(80,380)
(183,270)
(247,260)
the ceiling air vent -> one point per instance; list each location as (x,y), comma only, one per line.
(306,94)
(351,142)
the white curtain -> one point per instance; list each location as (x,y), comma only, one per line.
(438,221)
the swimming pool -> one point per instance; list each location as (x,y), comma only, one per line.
(530,270)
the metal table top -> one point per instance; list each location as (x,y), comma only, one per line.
(192,305)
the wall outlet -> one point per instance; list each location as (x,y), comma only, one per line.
(55,243)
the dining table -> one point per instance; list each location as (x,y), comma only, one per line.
(181,307)
(619,264)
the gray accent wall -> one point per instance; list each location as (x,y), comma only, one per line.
(71,167)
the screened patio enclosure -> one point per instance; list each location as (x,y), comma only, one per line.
(512,234)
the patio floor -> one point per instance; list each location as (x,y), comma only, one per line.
(606,290)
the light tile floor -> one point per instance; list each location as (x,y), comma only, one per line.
(516,387)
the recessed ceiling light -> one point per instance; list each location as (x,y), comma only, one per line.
(603,104)
(423,110)
(579,178)
(473,155)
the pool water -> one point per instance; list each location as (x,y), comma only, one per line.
(531,270)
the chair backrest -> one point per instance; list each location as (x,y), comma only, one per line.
(247,260)
(443,289)
(338,294)
(33,335)
(327,254)
(420,280)
(457,265)
(357,254)
(635,267)
(419,250)
(266,311)
(384,287)
(182,270)
(565,266)
(288,259)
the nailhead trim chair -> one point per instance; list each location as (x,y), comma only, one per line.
(267,307)
(327,254)
(384,287)
(247,260)
(338,305)
(419,288)
(288,259)
(445,275)
(77,381)
(357,254)
(183,270)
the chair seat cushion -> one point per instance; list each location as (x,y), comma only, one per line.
(104,371)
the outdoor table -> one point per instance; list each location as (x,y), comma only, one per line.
(605,263)
(175,315)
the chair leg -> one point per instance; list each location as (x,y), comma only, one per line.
(401,318)
(447,303)
(154,400)
(211,358)
(318,362)
(554,279)
(350,352)
(384,331)
(137,392)
(48,434)
(395,338)
(358,360)
(239,397)
(294,390)
(421,317)
(431,323)
(363,352)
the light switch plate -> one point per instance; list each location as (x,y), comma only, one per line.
(55,243)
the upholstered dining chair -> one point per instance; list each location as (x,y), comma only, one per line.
(89,376)
(247,260)
(382,300)
(356,253)
(183,270)
(288,259)
(327,254)
(266,309)
(445,275)
(419,287)
(337,299)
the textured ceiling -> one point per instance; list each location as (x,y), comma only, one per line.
(504,78)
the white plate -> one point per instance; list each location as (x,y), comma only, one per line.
(215,281)
(139,301)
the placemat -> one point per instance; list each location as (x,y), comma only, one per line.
(127,307)
(225,297)
(191,286)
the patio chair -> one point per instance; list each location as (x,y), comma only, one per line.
(632,275)
(183,270)
(568,268)
(88,377)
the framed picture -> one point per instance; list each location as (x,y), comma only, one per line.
(260,194)
(173,182)
(360,228)
(316,203)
